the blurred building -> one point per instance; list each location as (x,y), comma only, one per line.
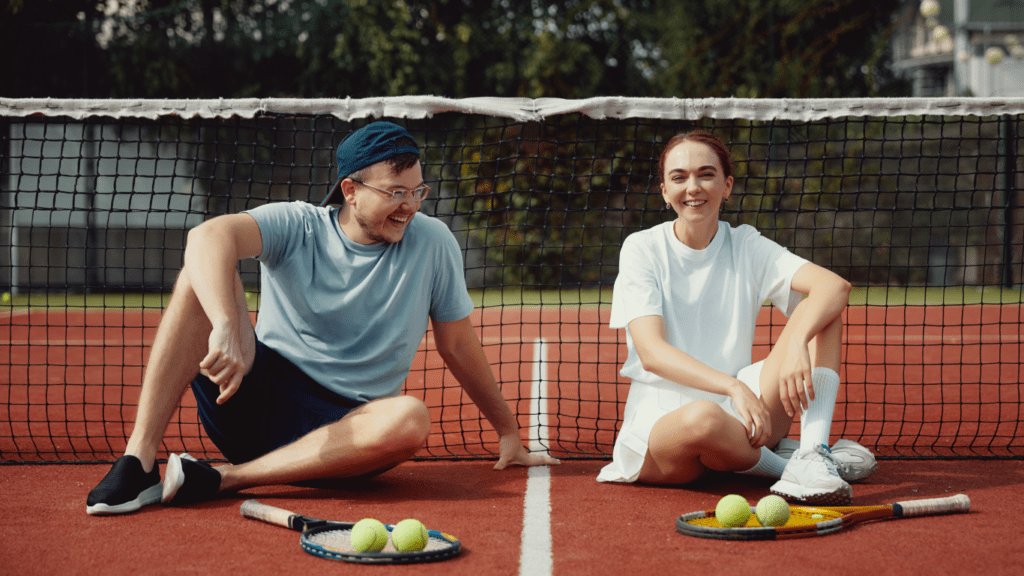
(961,47)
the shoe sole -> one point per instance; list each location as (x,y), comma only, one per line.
(174,477)
(148,496)
(843,496)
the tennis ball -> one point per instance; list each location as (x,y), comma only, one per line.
(772,510)
(732,510)
(409,535)
(6,297)
(369,535)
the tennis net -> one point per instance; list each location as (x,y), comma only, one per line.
(916,201)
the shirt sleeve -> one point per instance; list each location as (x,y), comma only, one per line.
(449,299)
(778,266)
(278,223)
(637,291)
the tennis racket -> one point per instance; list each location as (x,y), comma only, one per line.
(328,539)
(807,521)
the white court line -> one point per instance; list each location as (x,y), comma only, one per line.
(535,555)
(535,548)
(538,395)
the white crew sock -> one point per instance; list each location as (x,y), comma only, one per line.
(816,422)
(770,465)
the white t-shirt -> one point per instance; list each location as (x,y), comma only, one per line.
(709,300)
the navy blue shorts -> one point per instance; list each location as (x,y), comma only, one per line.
(276,404)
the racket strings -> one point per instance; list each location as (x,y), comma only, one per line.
(797,517)
(340,540)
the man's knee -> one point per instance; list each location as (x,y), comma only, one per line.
(407,425)
(417,421)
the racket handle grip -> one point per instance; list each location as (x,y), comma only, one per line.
(269,514)
(958,503)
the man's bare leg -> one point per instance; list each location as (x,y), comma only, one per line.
(372,438)
(180,344)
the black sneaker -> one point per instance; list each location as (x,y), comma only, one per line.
(125,488)
(187,480)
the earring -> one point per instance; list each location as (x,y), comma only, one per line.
(668,206)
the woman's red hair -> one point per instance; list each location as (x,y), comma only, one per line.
(701,137)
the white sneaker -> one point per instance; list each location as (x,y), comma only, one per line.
(810,476)
(853,461)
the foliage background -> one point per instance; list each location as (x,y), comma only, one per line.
(454,48)
(546,204)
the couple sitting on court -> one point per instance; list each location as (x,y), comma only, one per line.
(347,293)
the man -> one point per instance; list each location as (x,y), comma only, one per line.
(313,392)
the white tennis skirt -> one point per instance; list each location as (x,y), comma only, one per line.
(647,402)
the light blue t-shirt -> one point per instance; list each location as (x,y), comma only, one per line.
(351,316)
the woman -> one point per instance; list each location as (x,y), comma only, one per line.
(688,293)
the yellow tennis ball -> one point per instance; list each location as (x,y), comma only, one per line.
(409,535)
(6,297)
(369,535)
(772,510)
(732,510)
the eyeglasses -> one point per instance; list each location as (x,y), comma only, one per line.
(399,196)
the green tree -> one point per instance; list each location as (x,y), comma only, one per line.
(455,48)
(49,49)
(768,48)
(549,203)
(542,200)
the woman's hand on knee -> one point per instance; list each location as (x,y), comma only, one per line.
(754,412)
(796,390)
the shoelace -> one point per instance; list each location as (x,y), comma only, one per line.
(836,464)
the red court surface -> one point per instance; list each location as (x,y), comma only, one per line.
(596,529)
(943,381)
(939,381)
